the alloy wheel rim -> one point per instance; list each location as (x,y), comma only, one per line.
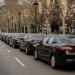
(53,61)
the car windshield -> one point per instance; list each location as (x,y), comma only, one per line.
(10,35)
(20,35)
(37,36)
(65,39)
(73,40)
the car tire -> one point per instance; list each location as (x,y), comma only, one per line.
(53,62)
(26,50)
(9,44)
(35,55)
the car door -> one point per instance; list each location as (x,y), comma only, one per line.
(53,43)
(21,44)
(24,42)
(11,40)
(47,49)
(41,48)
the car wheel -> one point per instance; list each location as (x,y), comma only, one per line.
(35,55)
(26,50)
(9,44)
(53,62)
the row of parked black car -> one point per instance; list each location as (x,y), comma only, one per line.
(22,41)
(55,49)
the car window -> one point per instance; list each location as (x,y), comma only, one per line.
(45,40)
(26,37)
(51,40)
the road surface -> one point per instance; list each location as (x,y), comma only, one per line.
(15,62)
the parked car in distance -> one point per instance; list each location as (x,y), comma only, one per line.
(56,49)
(27,44)
(8,37)
(16,39)
(3,36)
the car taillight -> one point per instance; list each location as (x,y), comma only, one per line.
(17,39)
(32,42)
(68,48)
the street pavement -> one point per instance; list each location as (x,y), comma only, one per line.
(15,62)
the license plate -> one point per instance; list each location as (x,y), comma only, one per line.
(70,59)
(69,53)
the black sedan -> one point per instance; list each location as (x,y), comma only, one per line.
(29,40)
(4,35)
(8,37)
(58,50)
(16,39)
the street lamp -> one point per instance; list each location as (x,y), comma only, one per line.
(42,19)
(35,4)
(67,23)
(4,26)
(12,24)
(19,21)
(28,25)
(72,22)
(72,19)
(8,26)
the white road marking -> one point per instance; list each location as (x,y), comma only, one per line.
(8,51)
(3,45)
(20,62)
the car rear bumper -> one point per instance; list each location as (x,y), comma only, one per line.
(65,60)
(31,49)
(17,44)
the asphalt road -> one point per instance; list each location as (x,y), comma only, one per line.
(15,62)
